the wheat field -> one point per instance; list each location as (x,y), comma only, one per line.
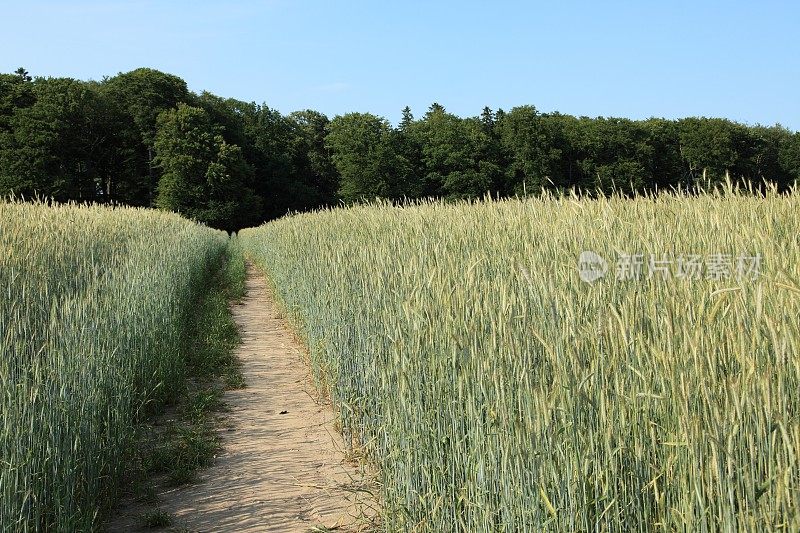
(494,390)
(91,314)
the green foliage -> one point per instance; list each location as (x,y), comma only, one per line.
(184,450)
(533,152)
(59,144)
(15,92)
(142,95)
(145,93)
(204,177)
(313,168)
(365,154)
(454,154)
(156,519)
(789,156)
(72,140)
(618,156)
(709,147)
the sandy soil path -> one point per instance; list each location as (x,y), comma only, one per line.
(282,467)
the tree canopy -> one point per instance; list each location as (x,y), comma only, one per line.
(142,138)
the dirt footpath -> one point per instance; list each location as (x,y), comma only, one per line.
(282,466)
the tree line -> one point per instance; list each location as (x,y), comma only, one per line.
(142,138)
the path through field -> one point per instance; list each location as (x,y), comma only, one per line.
(282,467)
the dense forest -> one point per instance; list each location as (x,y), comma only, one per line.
(142,138)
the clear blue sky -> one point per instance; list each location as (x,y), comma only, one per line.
(737,59)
